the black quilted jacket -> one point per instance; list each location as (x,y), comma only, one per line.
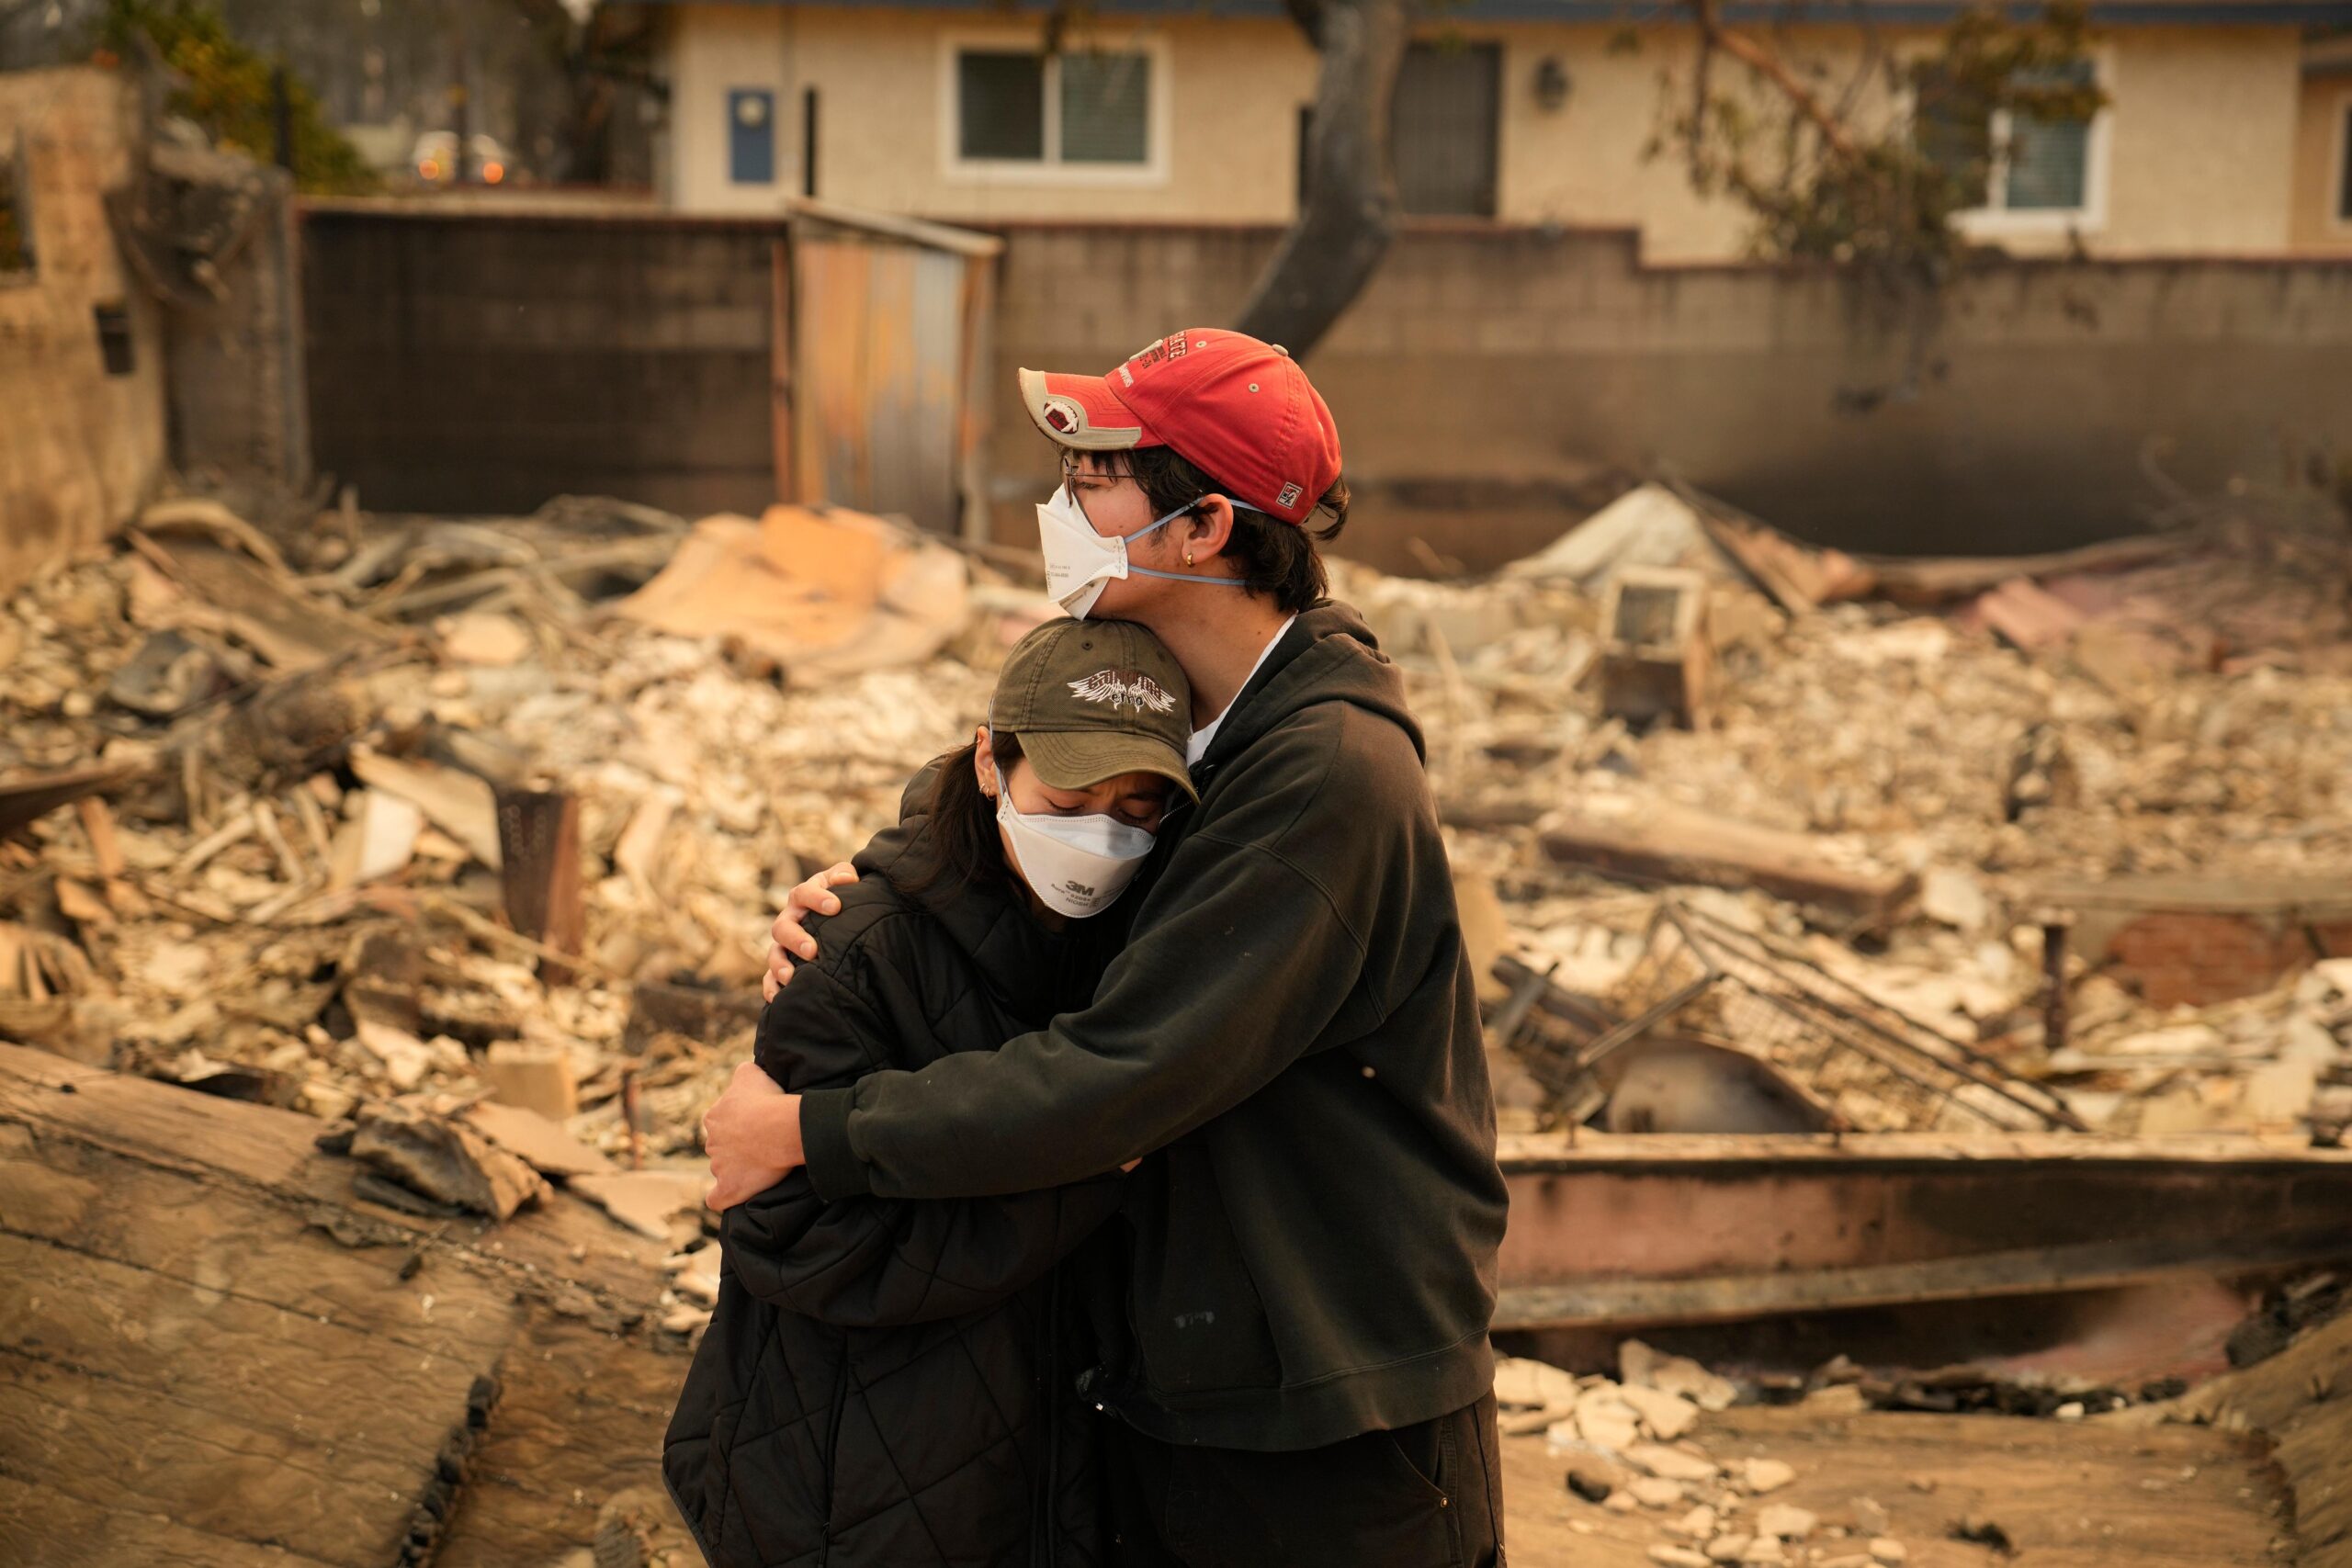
(890,1382)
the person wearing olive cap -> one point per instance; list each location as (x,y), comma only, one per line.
(888,1382)
(1301,1375)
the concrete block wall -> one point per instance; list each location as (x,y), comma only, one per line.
(80,447)
(1535,365)
(240,401)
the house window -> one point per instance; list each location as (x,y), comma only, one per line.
(2006,162)
(2046,162)
(1089,109)
(750,136)
(1445,128)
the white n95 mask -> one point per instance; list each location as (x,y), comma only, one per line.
(1077,865)
(1080,563)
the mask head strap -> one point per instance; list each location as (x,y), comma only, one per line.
(1172,576)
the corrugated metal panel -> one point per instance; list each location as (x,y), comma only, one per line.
(878,367)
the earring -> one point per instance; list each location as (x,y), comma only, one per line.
(1188,557)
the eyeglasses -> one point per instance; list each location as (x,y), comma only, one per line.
(1074,467)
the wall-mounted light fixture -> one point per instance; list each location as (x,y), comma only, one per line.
(1551,83)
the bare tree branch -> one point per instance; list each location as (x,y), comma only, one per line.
(1773,69)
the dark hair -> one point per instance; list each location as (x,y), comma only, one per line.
(1276,558)
(963,820)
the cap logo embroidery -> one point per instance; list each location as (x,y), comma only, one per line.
(1065,414)
(1289,496)
(1151,354)
(1124,689)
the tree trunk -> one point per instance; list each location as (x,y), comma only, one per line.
(1349,213)
(584,144)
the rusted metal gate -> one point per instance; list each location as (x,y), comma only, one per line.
(473,358)
(888,341)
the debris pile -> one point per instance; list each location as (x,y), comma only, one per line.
(444,834)
(467,834)
(1631,1448)
(1892,784)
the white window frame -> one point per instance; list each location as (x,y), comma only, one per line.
(1050,170)
(2338,220)
(1994,221)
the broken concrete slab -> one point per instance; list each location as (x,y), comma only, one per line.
(696,1275)
(1666,1416)
(1698,1525)
(406,1059)
(378,838)
(541,1141)
(1607,1424)
(456,802)
(1521,1383)
(535,1077)
(1954,898)
(645,1200)
(484,638)
(1670,1464)
(1785,1521)
(1656,1492)
(1639,1365)
(2278,1094)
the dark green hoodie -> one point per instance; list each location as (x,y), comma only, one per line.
(1293,1033)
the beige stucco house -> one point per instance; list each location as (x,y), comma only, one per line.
(2226,130)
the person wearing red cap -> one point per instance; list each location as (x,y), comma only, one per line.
(1301,1375)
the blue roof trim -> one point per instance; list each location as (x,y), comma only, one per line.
(2110,13)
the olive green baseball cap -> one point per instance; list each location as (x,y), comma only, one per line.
(1091,700)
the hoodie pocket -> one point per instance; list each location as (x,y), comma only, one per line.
(1198,1318)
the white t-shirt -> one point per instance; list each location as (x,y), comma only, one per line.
(1198,747)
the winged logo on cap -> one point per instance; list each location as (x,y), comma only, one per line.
(1124,689)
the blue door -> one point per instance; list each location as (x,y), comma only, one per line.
(750,136)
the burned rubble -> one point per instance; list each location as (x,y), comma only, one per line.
(462,839)
(332,793)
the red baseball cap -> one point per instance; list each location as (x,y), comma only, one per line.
(1227,404)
